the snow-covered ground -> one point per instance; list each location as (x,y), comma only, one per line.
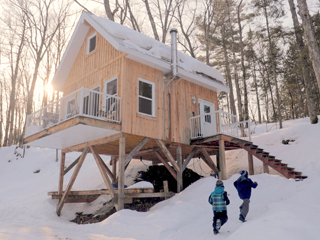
(280,208)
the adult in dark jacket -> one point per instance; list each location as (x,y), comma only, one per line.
(244,184)
(219,201)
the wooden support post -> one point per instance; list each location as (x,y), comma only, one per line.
(165,188)
(122,147)
(73,178)
(62,163)
(179,173)
(114,168)
(71,165)
(209,161)
(188,159)
(173,173)
(265,168)
(167,154)
(250,162)
(101,167)
(222,161)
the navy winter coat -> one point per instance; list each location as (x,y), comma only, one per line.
(244,185)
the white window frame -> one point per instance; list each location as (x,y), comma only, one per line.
(153,98)
(105,89)
(110,80)
(88,43)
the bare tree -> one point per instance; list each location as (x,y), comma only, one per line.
(314,51)
(310,95)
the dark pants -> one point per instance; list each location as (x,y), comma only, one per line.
(219,215)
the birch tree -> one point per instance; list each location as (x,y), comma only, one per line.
(314,51)
(304,61)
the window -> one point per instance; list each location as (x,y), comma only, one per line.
(146,97)
(111,89)
(91,43)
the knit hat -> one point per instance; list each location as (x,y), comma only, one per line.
(219,183)
(244,173)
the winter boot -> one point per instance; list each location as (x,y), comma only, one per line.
(215,231)
(218,224)
(241,218)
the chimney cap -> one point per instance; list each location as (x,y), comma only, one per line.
(173,30)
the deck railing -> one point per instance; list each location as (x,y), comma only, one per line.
(222,123)
(83,102)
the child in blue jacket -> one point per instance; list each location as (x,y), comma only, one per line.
(219,201)
(243,185)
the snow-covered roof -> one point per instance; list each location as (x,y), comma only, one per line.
(140,48)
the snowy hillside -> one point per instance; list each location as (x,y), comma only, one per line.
(280,208)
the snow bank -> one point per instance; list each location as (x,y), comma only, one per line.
(279,209)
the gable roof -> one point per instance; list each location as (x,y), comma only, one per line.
(140,48)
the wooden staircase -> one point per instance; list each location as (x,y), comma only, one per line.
(271,161)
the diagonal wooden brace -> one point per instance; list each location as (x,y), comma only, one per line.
(73,178)
(168,154)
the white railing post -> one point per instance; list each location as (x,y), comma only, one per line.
(220,123)
(60,108)
(81,101)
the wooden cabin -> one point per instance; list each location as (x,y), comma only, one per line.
(129,96)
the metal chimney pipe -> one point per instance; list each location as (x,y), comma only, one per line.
(174,54)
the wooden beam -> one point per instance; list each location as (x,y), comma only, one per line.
(73,178)
(179,173)
(104,165)
(209,161)
(168,154)
(188,159)
(265,168)
(114,168)
(104,192)
(62,163)
(101,169)
(135,150)
(173,173)
(122,150)
(222,160)
(71,165)
(93,143)
(250,163)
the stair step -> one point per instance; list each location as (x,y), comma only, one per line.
(259,150)
(247,144)
(253,147)
(265,154)
(290,169)
(271,157)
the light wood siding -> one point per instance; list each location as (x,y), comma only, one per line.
(93,69)
(132,121)
(182,108)
(105,62)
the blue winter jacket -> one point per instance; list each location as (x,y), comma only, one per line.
(219,199)
(244,185)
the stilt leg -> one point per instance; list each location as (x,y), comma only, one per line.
(222,159)
(122,145)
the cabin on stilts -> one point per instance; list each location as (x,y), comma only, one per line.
(128,96)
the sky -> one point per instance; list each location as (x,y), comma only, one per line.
(279,208)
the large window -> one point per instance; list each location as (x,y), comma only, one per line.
(91,45)
(146,97)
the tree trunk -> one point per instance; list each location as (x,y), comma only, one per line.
(228,73)
(314,51)
(274,67)
(244,75)
(153,24)
(310,95)
(235,69)
(256,90)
